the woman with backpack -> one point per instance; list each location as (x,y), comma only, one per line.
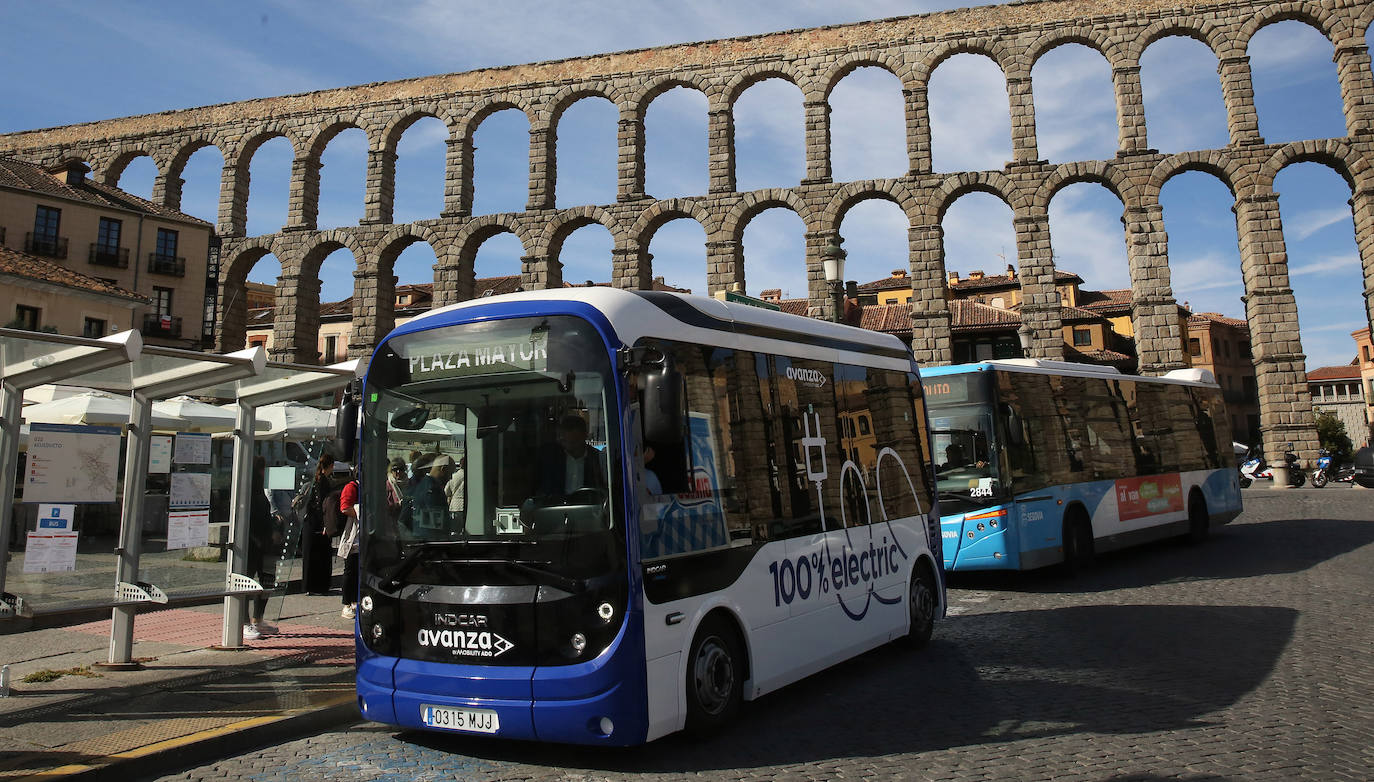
(316,555)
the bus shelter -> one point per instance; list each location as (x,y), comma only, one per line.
(74,462)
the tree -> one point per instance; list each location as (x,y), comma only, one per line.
(1331,433)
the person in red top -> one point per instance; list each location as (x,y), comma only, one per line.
(348,545)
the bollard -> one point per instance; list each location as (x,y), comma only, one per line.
(4,681)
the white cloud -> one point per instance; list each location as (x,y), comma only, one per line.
(969,115)
(1308,223)
(1324,265)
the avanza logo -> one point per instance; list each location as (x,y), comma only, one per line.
(466,643)
(807,377)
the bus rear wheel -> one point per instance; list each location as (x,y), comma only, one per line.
(1078,543)
(715,677)
(921,605)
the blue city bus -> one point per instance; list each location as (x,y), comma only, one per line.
(667,505)
(1041,462)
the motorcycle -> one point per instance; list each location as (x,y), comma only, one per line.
(1256,468)
(1321,475)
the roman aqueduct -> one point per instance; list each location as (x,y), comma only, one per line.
(1015,36)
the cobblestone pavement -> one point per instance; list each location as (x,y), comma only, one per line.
(1243,658)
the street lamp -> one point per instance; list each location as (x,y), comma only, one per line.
(832,262)
(1024,334)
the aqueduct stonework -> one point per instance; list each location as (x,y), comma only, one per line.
(1015,36)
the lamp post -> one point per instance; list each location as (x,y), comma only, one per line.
(832,262)
(1024,335)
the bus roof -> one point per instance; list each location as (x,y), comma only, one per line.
(636,314)
(1197,377)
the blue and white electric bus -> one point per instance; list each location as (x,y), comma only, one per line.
(1046,462)
(564,590)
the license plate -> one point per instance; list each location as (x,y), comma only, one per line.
(471,720)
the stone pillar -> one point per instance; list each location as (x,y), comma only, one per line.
(1280,366)
(1357,87)
(303,208)
(232,307)
(543,167)
(1362,205)
(1238,92)
(724,266)
(931,342)
(540,272)
(1154,312)
(296,322)
(1023,146)
(819,298)
(233,200)
(817,118)
(720,142)
(631,268)
(453,277)
(374,305)
(167,191)
(917,130)
(458,169)
(1130,110)
(630,158)
(380,190)
(1040,306)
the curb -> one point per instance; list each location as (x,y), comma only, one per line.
(204,746)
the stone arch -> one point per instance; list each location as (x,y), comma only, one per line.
(1200,30)
(560,102)
(479,112)
(752,203)
(1098,172)
(956,186)
(865,59)
(480,229)
(1326,21)
(661,212)
(550,243)
(327,242)
(992,49)
(761,72)
(402,236)
(1217,164)
(232,306)
(1364,17)
(120,160)
(255,138)
(396,127)
(638,105)
(1336,155)
(892,190)
(1091,37)
(188,147)
(329,129)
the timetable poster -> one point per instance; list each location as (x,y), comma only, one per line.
(159,454)
(192,448)
(190,490)
(50,552)
(188,529)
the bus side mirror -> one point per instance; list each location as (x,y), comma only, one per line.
(664,407)
(346,427)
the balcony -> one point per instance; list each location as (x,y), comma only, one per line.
(48,247)
(166,264)
(114,257)
(164,326)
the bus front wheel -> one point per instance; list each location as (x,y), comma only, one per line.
(715,677)
(921,605)
(1199,522)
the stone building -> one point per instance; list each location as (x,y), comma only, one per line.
(912,48)
(1364,357)
(44,295)
(127,245)
(1222,346)
(1338,390)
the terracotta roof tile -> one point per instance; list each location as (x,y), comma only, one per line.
(1198,318)
(35,179)
(31,267)
(1000,280)
(972,316)
(1334,373)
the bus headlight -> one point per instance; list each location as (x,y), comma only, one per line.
(578,642)
(605,611)
(377,632)
(366,603)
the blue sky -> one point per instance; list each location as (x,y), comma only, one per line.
(86,60)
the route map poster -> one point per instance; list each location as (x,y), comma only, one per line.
(70,464)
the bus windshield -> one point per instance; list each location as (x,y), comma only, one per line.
(966,458)
(499,455)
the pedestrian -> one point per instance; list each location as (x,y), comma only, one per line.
(316,565)
(348,544)
(457,490)
(264,538)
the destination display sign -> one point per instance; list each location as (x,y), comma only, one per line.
(528,352)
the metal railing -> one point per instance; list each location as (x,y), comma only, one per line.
(116,257)
(166,326)
(166,264)
(48,247)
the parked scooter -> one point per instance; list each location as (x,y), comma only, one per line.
(1256,468)
(1322,474)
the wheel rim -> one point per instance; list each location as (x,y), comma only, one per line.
(714,675)
(922,604)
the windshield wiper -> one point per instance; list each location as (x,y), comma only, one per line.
(408,562)
(979,501)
